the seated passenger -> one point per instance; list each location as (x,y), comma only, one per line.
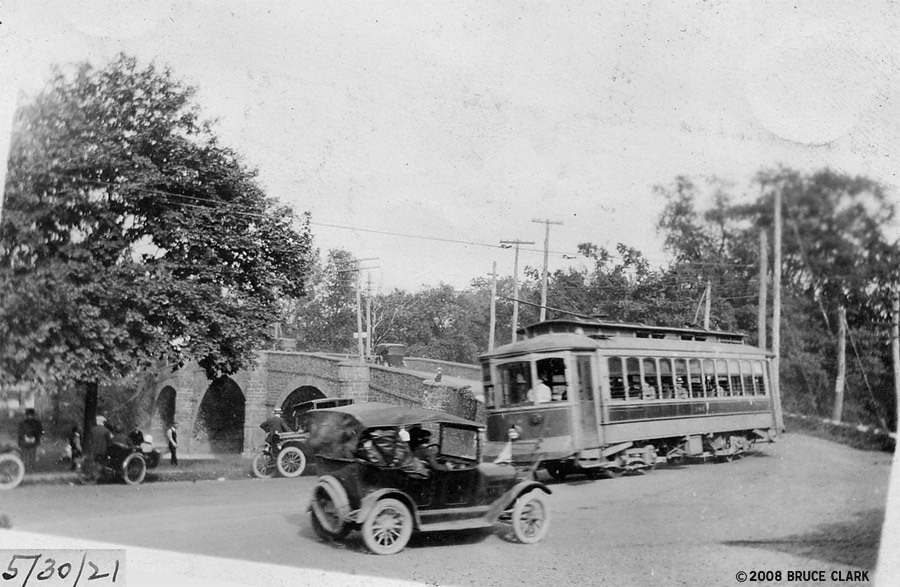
(648,392)
(540,393)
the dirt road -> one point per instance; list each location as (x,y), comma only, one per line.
(801,505)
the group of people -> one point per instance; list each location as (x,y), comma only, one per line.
(89,450)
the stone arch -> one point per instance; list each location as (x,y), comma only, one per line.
(163,413)
(304,393)
(219,421)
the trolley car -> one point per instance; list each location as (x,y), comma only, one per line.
(623,397)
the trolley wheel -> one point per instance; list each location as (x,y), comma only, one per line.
(530,518)
(612,472)
(291,462)
(387,527)
(12,470)
(263,465)
(330,508)
(134,469)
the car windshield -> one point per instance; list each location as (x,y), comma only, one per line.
(461,443)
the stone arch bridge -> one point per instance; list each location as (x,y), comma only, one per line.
(223,416)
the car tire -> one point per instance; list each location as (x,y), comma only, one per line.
(134,469)
(530,518)
(388,527)
(330,508)
(12,470)
(263,465)
(291,462)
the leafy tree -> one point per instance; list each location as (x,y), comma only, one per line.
(325,319)
(131,235)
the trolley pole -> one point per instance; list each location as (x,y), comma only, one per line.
(546,224)
(515,318)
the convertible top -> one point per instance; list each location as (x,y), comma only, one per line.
(335,432)
(380,415)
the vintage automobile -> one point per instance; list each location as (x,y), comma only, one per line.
(373,483)
(290,455)
(12,469)
(124,460)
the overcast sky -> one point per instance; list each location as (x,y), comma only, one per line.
(462,122)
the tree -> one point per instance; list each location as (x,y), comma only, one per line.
(131,235)
(835,253)
(325,319)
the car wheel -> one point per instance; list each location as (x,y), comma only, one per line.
(330,508)
(12,470)
(387,527)
(134,469)
(263,465)
(530,518)
(291,462)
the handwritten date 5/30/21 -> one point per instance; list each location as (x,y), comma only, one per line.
(58,568)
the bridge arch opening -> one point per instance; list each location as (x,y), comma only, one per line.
(163,414)
(219,425)
(304,393)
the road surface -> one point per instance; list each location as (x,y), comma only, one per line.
(803,504)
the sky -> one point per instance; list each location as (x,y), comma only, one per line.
(421,134)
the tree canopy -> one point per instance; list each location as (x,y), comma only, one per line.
(130,234)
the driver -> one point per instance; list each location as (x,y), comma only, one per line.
(274,426)
(423,449)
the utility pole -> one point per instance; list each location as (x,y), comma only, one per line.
(763,289)
(369,317)
(493,306)
(546,224)
(895,347)
(515,319)
(841,366)
(708,308)
(776,314)
(359,331)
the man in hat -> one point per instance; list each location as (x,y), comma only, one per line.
(273,426)
(30,432)
(98,440)
(423,449)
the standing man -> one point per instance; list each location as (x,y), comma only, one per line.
(30,432)
(274,426)
(98,439)
(172,437)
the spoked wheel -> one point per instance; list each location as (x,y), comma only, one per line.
(530,518)
(291,462)
(263,465)
(12,470)
(387,527)
(134,469)
(330,508)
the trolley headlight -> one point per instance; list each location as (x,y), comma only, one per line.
(513,433)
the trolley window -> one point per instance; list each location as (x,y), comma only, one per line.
(759,377)
(650,381)
(633,377)
(747,378)
(734,378)
(514,382)
(616,379)
(681,379)
(552,372)
(697,382)
(722,387)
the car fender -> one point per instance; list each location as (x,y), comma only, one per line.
(369,501)
(506,500)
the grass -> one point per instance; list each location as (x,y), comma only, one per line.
(844,434)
